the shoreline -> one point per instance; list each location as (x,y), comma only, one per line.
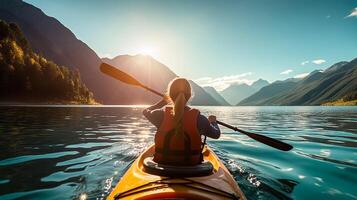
(54,103)
(341,103)
(77,104)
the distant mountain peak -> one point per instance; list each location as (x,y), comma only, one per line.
(213,92)
(238,85)
(156,75)
(314,72)
(336,66)
(258,84)
(354,61)
(261,80)
(318,87)
(236,92)
(288,80)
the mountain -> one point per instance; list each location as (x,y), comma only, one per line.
(48,37)
(213,92)
(237,92)
(337,82)
(322,87)
(154,74)
(268,92)
(27,76)
(257,85)
(336,66)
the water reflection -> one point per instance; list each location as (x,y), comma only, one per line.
(81,152)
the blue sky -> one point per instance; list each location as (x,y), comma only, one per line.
(217,42)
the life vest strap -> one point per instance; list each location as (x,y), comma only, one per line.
(168,139)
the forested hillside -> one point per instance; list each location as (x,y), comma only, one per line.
(27,76)
(53,40)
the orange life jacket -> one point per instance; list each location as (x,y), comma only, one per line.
(178,148)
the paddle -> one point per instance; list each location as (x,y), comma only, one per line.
(126,78)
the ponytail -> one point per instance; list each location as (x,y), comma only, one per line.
(179,91)
(179,109)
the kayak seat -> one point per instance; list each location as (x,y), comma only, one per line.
(152,167)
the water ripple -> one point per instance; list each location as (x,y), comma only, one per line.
(74,152)
(22,159)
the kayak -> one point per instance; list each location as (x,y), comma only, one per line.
(146,179)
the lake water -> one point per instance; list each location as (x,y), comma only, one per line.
(71,152)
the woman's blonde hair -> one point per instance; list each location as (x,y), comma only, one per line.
(179,91)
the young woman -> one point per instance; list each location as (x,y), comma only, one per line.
(178,138)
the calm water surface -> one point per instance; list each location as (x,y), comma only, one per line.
(72,152)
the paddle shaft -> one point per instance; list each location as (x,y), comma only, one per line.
(126,78)
(261,138)
(151,90)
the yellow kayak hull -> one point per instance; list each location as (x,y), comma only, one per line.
(137,184)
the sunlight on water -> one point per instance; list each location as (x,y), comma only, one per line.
(80,152)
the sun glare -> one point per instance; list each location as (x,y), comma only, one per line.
(148,50)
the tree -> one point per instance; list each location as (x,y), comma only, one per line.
(26,75)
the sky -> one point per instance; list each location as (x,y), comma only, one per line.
(217,43)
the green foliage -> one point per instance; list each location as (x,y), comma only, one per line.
(351,96)
(27,76)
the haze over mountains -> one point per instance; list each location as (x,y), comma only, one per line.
(213,92)
(155,74)
(320,86)
(237,92)
(274,89)
(48,37)
(337,82)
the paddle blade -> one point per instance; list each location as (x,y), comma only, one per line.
(118,74)
(270,141)
(261,138)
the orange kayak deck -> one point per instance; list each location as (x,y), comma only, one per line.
(137,184)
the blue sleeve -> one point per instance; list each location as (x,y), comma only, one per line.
(154,116)
(206,128)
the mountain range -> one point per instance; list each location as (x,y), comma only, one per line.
(319,87)
(52,40)
(154,74)
(48,37)
(237,92)
(218,97)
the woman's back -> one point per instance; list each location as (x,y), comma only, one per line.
(178,139)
